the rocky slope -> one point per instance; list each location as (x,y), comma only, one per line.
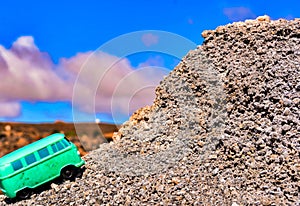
(224,129)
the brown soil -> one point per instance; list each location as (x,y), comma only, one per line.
(16,135)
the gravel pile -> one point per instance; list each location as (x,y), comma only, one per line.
(224,129)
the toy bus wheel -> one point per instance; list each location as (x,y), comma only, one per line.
(68,173)
(24,194)
(79,172)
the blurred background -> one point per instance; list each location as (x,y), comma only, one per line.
(43,45)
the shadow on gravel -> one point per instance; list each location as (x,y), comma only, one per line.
(44,187)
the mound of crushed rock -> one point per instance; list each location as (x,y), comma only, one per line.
(224,129)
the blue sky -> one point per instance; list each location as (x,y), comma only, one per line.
(57,34)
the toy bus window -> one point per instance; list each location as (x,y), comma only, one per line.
(54,148)
(30,159)
(43,152)
(65,142)
(17,165)
(59,146)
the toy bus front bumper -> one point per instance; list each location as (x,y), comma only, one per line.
(82,162)
(8,193)
(1,187)
(3,191)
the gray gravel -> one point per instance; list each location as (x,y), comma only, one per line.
(224,130)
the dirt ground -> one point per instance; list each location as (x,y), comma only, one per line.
(16,135)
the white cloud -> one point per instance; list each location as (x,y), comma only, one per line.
(113,83)
(27,74)
(9,109)
(152,61)
(238,13)
(149,39)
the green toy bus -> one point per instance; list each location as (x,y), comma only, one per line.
(37,163)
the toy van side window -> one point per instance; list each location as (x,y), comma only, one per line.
(17,165)
(54,148)
(30,159)
(65,143)
(59,145)
(67,140)
(43,152)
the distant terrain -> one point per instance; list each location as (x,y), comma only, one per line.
(16,135)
